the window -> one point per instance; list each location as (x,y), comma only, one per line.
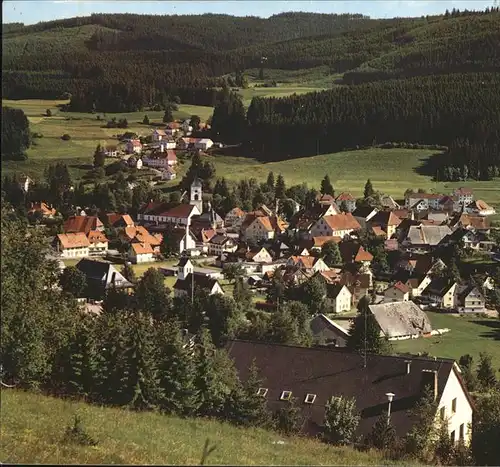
(286,396)
(461,432)
(310,398)
(262,392)
(442,413)
(454,405)
(452,436)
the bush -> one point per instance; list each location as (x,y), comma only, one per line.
(65,137)
(76,434)
(48,113)
(341,420)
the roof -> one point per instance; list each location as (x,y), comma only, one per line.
(135,142)
(95,236)
(363,211)
(400,286)
(480,205)
(82,224)
(142,248)
(160,132)
(388,201)
(345,196)
(377,230)
(141,235)
(462,191)
(73,240)
(114,218)
(327,372)
(344,221)
(398,319)
(171,155)
(236,212)
(352,251)
(181,211)
(97,273)
(322,326)
(385,218)
(401,213)
(318,242)
(477,222)
(219,239)
(334,290)
(427,234)
(43,208)
(438,287)
(200,280)
(173,125)
(425,196)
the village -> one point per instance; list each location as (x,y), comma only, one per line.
(401,256)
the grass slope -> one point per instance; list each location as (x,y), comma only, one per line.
(468,335)
(33,427)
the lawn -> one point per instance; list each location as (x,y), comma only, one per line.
(33,427)
(468,335)
(279,91)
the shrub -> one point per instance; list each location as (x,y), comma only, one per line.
(76,434)
(48,113)
(341,420)
(65,137)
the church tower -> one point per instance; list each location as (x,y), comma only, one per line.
(196,194)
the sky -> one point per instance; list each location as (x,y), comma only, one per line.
(30,12)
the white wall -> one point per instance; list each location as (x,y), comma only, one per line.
(463,414)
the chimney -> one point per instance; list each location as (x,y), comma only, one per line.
(430,381)
(408,366)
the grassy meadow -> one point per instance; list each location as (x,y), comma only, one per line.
(33,428)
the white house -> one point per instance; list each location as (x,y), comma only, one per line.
(471,300)
(203,144)
(161,160)
(341,298)
(464,195)
(338,225)
(347,199)
(141,253)
(159,135)
(168,173)
(479,208)
(98,243)
(397,292)
(188,280)
(73,245)
(427,200)
(234,217)
(133,146)
(219,244)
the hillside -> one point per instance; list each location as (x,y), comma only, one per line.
(33,427)
(194,51)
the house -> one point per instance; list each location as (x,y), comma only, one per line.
(325,200)
(166,144)
(161,213)
(219,244)
(340,297)
(388,202)
(468,221)
(401,320)
(463,195)
(119,220)
(98,243)
(353,252)
(73,245)
(141,253)
(256,227)
(186,143)
(425,200)
(82,224)
(327,332)
(101,276)
(425,237)
(387,221)
(161,159)
(134,146)
(347,200)
(397,292)
(357,283)
(309,263)
(338,225)
(203,143)
(209,219)
(25,182)
(477,241)
(443,292)
(188,280)
(159,135)
(186,126)
(135,162)
(471,300)
(111,150)
(234,217)
(42,209)
(316,243)
(302,222)
(479,208)
(363,214)
(258,255)
(320,373)
(168,173)
(139,234)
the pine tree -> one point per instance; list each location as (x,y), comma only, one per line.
(330,253)
(176,371)
(485,372)
(244,406)
(359,339)
(195,121)
(99,157)
(270,181)
(466,365)
(145,120)
(327,187)
(168,116)
(368,191)
(280,188)
(289,419)
(383,434)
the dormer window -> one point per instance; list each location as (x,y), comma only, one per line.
(310,398)
(286,396)
(262,392)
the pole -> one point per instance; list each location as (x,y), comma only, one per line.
(364,338)
(389,413)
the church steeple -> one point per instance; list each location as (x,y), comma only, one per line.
(196,194)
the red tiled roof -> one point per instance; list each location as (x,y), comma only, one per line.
(43,208)
(321,240)
(182,211)
(463,191)
(377,230)
(345,196)
(479,205)
(344,221)
(114,218)
(82,224)
(140,234)
(135,142)
(401,287)
(142,248)
(95,236)
(173,125)
(73,240)
(363,255)
(171,155)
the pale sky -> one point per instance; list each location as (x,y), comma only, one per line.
(30,12)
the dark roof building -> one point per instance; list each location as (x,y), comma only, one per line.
(321,373)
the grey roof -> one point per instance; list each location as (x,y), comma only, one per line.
(324,328)
(427,234)
(398,319)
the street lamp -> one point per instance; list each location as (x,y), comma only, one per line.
(390,397)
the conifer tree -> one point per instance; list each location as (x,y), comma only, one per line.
(365,331)
(330,253)
(223,318)
(99,157)
(288,419)
(327,187)
(270,181)
(145,120)
(280,188)
(176,371)
(485,372)
(168,116)
(368,191)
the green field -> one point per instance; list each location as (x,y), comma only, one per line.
(280,91)
(33,427)
(468,335)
